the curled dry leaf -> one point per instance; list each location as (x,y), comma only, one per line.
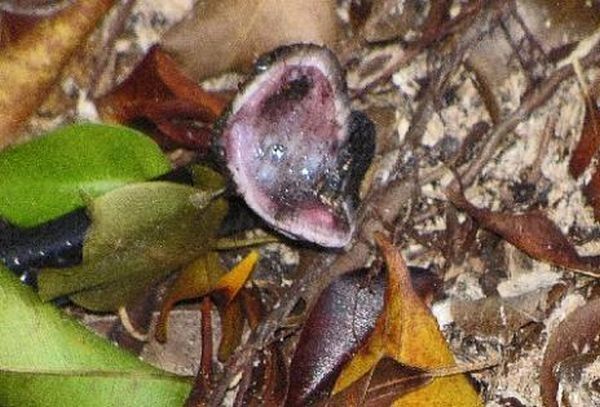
(532,232)
(496,316)
(31,65)
(339,324)
(181,110)
(407,332)
(232,328)
(555,25)
(576,334)
(202,277)
(589,140)
(228,35)
(387,20)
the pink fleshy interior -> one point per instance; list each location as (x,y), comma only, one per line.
(281,145)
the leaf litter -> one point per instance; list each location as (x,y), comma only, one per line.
(501,189)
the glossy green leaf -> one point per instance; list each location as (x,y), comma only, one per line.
(51,176)
(48,359)
(139,234)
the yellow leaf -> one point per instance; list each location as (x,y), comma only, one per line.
(202,277)
(30,65)
(407,332)
(231,283)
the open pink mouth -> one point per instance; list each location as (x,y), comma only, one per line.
(282,141)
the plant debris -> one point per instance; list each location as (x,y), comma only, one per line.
(467,135)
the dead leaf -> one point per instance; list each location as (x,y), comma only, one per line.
(230,284)
(229,34)
(232,328)
(30,65)
(578,378)
(267,384)
(532,232)
(203,277)
(339,323)
(497,316)
(387,20)
(407,332)
(175,104)
(269,380)
(386,382)
(577,333)
(554,25)
(589,140)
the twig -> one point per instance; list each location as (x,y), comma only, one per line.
(534,100)
(203,377)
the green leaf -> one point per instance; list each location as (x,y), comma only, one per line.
(48,359)
(139,234)
(51,176)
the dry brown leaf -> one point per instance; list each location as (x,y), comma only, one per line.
(340,322)
(229,34)
(557,24)
(497,316)
(30,65)
(408,333)
(577,334)
(578,378)
(182,111)
(589,141)
(232,328)
(532,232)
(387,20)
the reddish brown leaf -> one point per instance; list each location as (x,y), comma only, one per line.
(532,232)
(589,141)
(179,108)
(577,333)
(13,26)
(391,379)
(232,328)
(426,283)
(340,322)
